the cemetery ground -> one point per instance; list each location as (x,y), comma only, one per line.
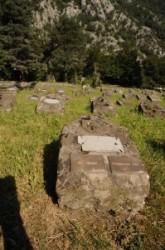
(29,214)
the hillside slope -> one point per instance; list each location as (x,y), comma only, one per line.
(112,23)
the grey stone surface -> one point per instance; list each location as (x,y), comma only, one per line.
(7,84)
(58,95)
(51,101)
(124,102)
(25,85)
(100,180)
(7,99)
(100,143)
(141,97)
(47,105)
(129,95)
(151,109)
(14,88)
(101,106)
(153,98)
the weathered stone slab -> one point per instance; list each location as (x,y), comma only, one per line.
(61,92)
(99,180)
(141,97)
(151,109)
(101,106)
(26,85)
(91,163)
(124,102)
(118,91)
(51,101)
(7,84)
(153,98)
(7,99)
(48,105)
(128,96)
(59,95)
(13,88)
(100,143)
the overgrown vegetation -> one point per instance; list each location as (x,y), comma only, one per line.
(29,151)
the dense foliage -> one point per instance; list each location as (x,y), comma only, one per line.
(29,54)
(20,51)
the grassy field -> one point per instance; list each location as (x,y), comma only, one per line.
(29,215)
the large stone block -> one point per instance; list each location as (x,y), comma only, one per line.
(50,105)
(7,84)
(7,99)
(151,109)
(101,106)
(106,174)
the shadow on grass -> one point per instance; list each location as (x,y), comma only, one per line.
(50,162)
(157,145)
(12,229)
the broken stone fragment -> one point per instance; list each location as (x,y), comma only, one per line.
(99,168)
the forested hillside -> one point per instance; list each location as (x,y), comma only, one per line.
(111,41)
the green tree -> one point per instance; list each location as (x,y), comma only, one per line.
(19,42)
(154,71)
(92,60)
(130,67)
(110,69)
(65,53)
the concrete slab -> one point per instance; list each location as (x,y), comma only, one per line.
(100,143)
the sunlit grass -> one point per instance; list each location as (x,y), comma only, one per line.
(23,137)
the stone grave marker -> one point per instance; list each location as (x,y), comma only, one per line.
(129,95)
(141,97)
(98,176)
(7,99)
(151,109)
(153,98)
(7,84)
(101,106)
(50,105)
(124,102)
(13,88)
(26,85)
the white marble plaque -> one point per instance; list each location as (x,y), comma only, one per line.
(51,101)
(100,143)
